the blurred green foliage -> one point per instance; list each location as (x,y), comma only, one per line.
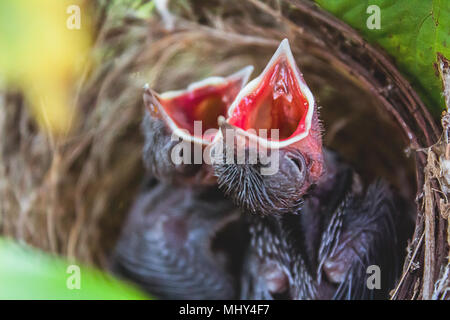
(412,31)
(27,273)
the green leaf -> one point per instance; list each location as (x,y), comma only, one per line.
(27,273)
(411,31)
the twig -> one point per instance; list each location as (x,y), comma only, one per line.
(429,260)
(402,279)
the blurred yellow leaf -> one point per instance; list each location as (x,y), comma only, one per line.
(42,50)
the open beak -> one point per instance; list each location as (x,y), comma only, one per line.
(277,110)
(192,113)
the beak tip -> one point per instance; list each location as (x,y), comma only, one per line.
(243,75)
(151,101)
(247,71)
(284,47)
(221,121)
(224,125)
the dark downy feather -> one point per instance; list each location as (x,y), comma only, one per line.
(325,248)
(173,244)
(157,156)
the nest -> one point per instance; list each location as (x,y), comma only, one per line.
(70,195)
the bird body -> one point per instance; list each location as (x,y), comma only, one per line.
(172,243)
(324,248)
(182,239)
(315,228)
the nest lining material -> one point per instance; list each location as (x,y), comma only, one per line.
(70,195)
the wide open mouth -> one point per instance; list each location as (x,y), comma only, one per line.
(192,113)
(278,99)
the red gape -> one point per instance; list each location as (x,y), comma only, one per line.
(202,101)
(204,104)
(276,103)
(280,99)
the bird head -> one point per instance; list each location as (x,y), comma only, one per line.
(178,125)
(269,150)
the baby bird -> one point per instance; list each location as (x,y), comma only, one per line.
(182,243)
(182,120)
(182,238)
(315,229)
